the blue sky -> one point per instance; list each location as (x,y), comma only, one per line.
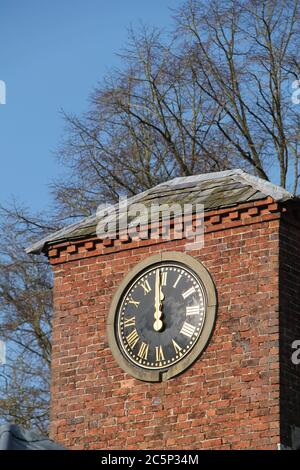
(53,52)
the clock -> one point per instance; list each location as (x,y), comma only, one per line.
(162,316)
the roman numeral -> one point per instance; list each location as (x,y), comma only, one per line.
(159,354)
(143,351)
(132,338)
(177,348)
(129,322)
(146,286)
(177,280)
(187,293)
(187,329)
(193,310)
(134,302)
(164,278)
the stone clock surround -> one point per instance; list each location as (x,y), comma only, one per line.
(230,397)
(201,271)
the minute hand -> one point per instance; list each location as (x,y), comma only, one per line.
(158,324)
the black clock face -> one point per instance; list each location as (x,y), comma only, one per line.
(160,316)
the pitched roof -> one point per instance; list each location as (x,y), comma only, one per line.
(213,190)
(13,437)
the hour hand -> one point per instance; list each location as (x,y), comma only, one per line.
(158,324)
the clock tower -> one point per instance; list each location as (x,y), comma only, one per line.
(162,344)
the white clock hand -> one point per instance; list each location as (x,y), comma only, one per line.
(158,324)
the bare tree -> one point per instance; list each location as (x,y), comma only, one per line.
(147,123)
(25,322)
(243,56)
(214,94)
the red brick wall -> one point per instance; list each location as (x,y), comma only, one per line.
(289,327)
(229,399)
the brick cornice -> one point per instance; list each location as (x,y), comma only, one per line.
(215,220)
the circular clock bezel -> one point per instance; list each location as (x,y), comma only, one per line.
(130,286)
(191,264)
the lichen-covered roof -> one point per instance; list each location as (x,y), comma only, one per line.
(213,190)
